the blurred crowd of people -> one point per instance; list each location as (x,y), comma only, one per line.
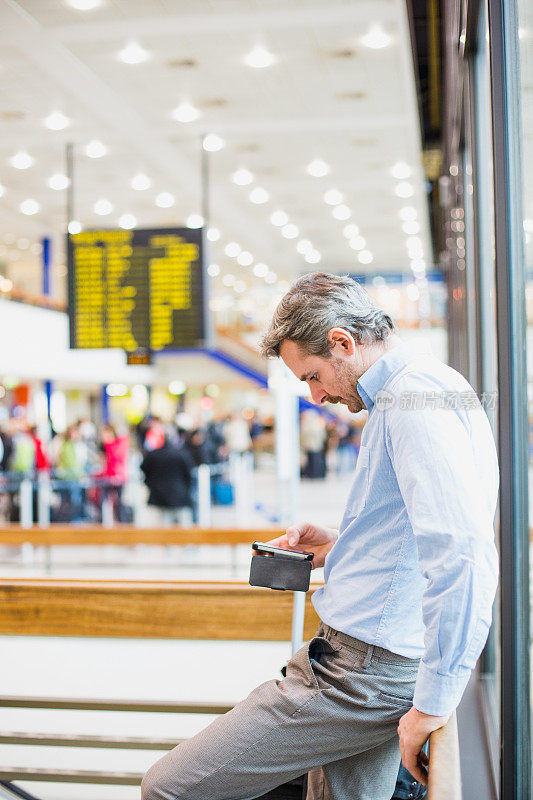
(91,464)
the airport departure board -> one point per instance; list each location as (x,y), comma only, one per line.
(136,289)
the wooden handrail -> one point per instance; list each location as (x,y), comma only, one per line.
(148,609)
(444,778)
(88,535)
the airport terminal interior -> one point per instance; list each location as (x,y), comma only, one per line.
(167,169)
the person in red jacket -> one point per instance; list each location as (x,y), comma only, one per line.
(116,453)
(41,462)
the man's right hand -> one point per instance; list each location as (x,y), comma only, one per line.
(308,538)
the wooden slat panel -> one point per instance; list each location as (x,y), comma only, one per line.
(70,776)
(148,609)
(73,535)
(136,706)
(71,740)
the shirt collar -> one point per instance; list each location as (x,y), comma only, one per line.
(380,372)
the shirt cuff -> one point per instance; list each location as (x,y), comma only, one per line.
(436,694)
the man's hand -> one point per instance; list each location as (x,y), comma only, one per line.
(308,538)
(414,729)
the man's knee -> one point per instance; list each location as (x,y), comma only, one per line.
(154,786)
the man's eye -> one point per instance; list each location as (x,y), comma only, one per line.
(313,377)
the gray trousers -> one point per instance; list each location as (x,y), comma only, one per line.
(334,715)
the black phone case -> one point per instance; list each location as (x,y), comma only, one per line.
(280,573)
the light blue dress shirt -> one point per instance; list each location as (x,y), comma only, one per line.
(415,567)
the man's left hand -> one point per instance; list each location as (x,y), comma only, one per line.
(414,729)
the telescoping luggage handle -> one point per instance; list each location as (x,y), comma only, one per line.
(284,570)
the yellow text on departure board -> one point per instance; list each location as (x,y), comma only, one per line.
(170,285)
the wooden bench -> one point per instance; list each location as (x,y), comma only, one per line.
(128,535)
(148,609)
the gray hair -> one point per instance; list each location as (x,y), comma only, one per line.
(317,302)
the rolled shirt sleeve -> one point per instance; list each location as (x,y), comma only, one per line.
(450,506)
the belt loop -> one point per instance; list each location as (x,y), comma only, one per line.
(368,656)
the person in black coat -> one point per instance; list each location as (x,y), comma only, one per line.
(167,474)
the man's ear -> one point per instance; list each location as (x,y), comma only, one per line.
(343,339)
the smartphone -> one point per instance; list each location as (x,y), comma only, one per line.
(268,549)
(276,568)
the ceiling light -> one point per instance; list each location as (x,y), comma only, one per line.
(260,270)
(56,121)
(185,112)
(140,182)
(9,238)
(413,243)
(341,212)
(22,160)
(412,291)
(23,244)
(36,248)
(74,226)
(271,277)
(133,53)
(232,249)
(259,195)
(58,182)
(333,197)
(228,279)
(350,231)
(304,246)
(318,168)
(401,170)
(418,265)
(313,257)
(212,143)
(240,287)
(365,257)
(404,189)
(408,213)
(84,5)
(127,221)
(213,270)
(259,58)
(96,149)
(376,38)
(103,207)
(2,190)
(290,231)
(279,218)
(357,242)
(242,177)
(245,258)
(164,200)
(411,228)
(29,207)
(213,234)
(195,221)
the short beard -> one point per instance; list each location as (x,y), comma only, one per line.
(347,379)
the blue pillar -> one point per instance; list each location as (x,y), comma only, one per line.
(105,403)
(47,263)
(48,388)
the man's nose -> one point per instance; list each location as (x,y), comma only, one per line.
(318,395)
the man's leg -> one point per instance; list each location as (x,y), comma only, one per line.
(370,775)
(329,707)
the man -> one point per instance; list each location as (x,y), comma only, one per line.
(410,577)
(168,475)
